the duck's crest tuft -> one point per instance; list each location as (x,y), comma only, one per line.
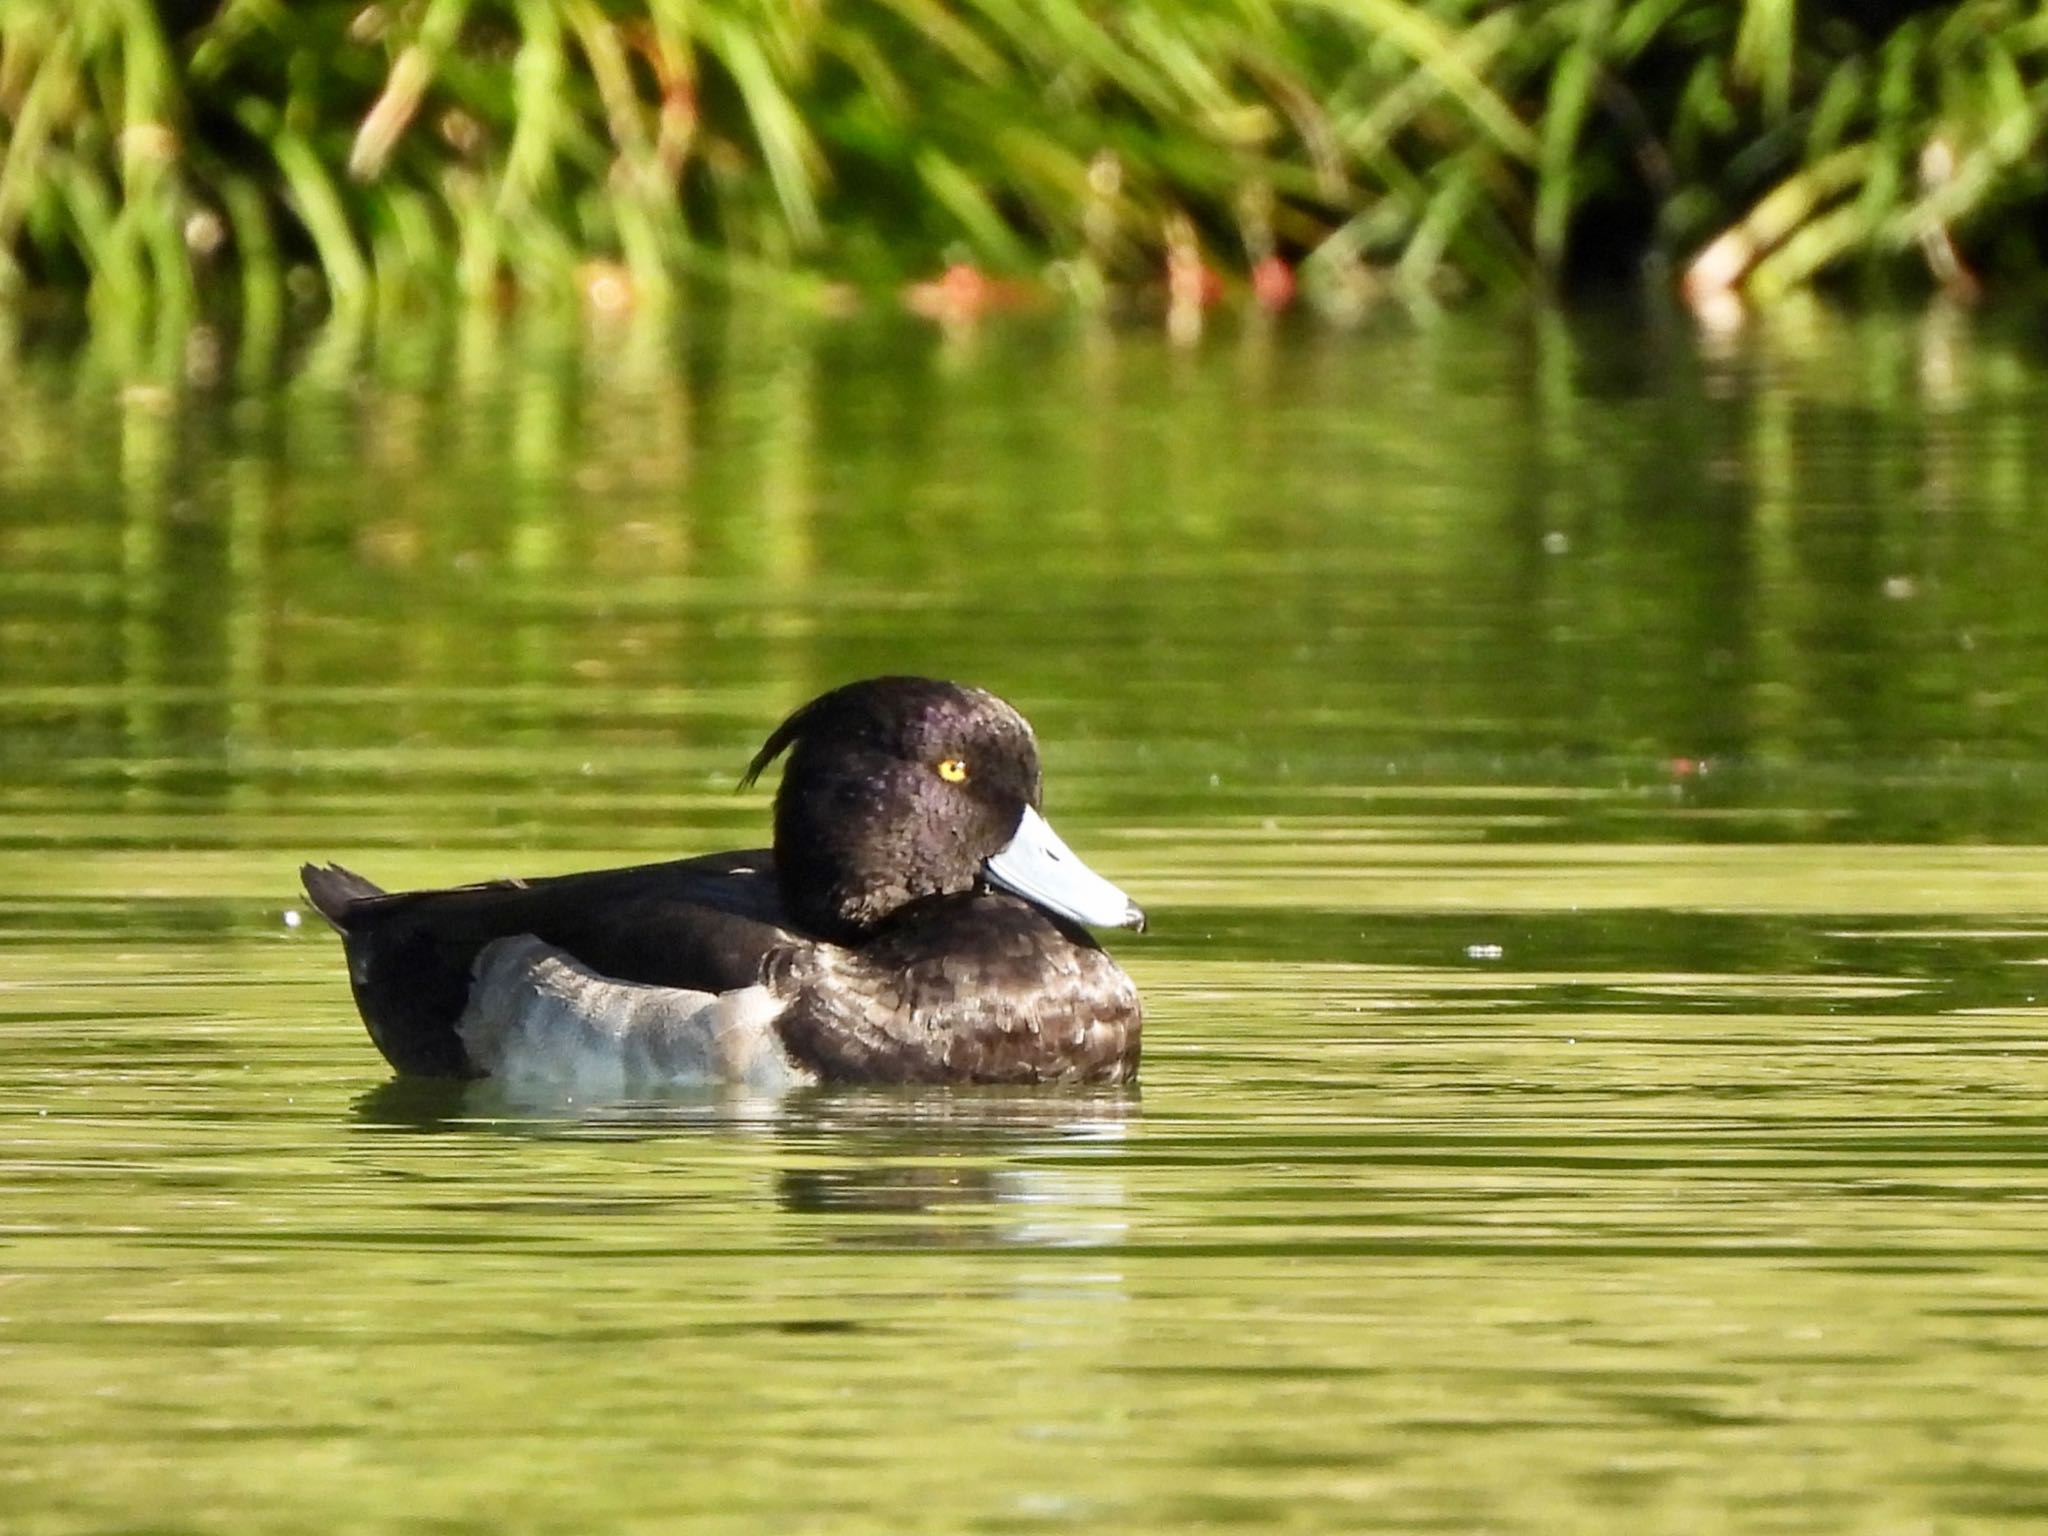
(785,735)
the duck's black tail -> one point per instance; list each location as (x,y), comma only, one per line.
(408,993)
(333,890)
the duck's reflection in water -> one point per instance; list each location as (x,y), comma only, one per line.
(1040,1168)
(952,1166)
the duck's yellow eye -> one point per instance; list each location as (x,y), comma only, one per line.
(953,771)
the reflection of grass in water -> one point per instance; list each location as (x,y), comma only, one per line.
(543,587)
(377,152)
(1748,877)
(1368,878)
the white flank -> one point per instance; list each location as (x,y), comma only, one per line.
(537,1018)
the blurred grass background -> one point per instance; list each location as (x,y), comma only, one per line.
(264,153)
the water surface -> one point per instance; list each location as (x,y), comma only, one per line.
(1590,782)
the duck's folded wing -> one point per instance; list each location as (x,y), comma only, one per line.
(704,924)
(536,1018)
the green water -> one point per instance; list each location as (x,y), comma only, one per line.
(1590,782)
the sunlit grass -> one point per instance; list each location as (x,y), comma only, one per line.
(358,152)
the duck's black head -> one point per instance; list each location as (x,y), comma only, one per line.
(899,788)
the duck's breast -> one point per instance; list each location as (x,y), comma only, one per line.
(981,988)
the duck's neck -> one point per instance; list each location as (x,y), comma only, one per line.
(827,905)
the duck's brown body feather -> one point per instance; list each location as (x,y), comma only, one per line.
(983,989)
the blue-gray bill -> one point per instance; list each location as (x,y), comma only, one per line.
(1036,865)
